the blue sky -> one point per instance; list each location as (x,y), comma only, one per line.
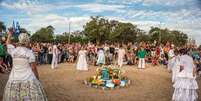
(184,15)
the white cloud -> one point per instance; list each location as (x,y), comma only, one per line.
(33,7)
(155,2)
(60,23)
(191,28)
(24,5)
(121,1)
(167,15)
(95,7)
(39,14)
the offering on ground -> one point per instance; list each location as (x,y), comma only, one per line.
(108,77)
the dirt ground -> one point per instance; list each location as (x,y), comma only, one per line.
(66,84)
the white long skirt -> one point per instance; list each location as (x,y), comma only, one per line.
(82,63)
(120,61)
(185,90)
(101,59)
(54,61)
(25,90)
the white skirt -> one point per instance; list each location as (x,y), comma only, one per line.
(185,90)
(28,90)
(82,63)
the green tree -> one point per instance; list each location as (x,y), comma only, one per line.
(143,37)
(97,29)
(180,38)
(101,30)
(154,33)
(125,32)
(44,34)
(166,35)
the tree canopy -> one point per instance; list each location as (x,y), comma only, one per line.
(44,34)
(166,35)
(101,30)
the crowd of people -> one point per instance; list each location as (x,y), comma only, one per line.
(111,54)
(181,61)
(102,54)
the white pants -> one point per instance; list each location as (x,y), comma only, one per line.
(54,61)
(141,63)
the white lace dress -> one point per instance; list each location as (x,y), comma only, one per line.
(121,54)
(185,84)
(82,61)
(101,57)
(22,84)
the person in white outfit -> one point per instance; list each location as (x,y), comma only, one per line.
(23,83)
(185,87)
(101,57)
(121,55)
(171,59)
(82,60)
(175,65)
(55,56)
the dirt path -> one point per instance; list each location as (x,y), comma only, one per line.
(66,84)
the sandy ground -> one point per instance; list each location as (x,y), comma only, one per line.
(66,84)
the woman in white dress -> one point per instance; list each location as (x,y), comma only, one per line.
(171,60)
(101,57)
(121,55)
(175,66)
(82,60)
(186,84)
(55,56)
(23,83)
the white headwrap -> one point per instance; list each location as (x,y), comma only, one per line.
(23,38)
(187,62)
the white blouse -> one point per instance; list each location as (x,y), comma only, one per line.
(188,64)
(22,57)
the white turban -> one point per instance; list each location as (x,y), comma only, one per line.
(23,38)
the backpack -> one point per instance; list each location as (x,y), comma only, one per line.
(2,50)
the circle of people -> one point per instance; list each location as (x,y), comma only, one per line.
(184,62)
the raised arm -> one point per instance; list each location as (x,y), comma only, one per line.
(10,32)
